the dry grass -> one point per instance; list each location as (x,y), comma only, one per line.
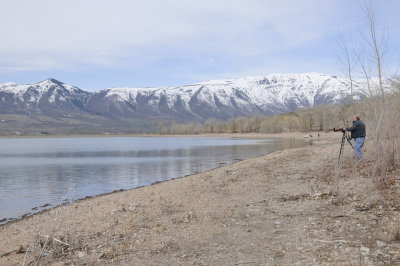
(55,241)
(375,179)
(384,144)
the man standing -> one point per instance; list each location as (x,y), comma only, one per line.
(358,134)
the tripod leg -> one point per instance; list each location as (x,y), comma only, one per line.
(348,140)
(341,148)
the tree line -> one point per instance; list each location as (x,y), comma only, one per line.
(322,118)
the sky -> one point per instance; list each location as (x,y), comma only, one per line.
(97,44)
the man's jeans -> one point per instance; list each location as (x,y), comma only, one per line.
(359,142)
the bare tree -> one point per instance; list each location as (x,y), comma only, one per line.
(364,68)
(233,125)
(161,128)
(306,120)
(210,125)
(377,44)
(347,60)
(257,123)
(292,123)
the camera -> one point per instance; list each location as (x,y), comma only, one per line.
(339,130)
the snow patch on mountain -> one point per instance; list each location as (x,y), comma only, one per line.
(42,97)
(221,99)
(264,94)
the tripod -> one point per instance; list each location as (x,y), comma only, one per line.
(344,137)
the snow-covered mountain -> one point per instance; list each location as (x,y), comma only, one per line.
(219,99)
(41,98)
(223,99)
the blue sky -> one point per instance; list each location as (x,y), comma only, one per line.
(96,44)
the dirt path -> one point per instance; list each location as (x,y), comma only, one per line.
(276,209)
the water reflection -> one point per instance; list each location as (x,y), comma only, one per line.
(34,172)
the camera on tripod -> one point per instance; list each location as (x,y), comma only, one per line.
(344,137)
(339,130)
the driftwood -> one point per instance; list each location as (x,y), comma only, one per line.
(19,250)
(333,241)
(56,240)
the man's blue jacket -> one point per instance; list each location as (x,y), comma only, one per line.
(357,130)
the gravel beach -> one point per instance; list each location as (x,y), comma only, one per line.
(289,207)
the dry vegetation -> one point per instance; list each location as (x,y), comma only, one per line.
(322,118)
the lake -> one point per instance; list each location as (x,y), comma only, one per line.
(37,173)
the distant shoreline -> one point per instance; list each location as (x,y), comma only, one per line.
(284,135)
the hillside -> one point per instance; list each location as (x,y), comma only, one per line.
(55,107)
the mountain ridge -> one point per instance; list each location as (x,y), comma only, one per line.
(220,99)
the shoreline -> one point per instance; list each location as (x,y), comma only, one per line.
(297,135)
(280,208)
(43,209)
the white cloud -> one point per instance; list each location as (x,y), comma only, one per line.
(90,30)
(80,34)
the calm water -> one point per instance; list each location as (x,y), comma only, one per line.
(39,171)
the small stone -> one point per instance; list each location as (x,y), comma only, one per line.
(364,250)
(380,243)
(81,254)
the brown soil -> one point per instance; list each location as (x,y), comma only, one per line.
(291,206)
